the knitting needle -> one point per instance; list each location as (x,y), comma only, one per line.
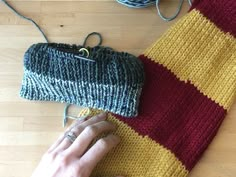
(83,58)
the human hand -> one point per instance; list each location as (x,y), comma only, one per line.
(74,157)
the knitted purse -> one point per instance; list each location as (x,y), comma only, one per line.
(190,85)
(107,80)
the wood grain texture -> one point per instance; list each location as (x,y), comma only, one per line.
(28,128)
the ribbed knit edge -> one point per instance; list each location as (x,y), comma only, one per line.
(38,87)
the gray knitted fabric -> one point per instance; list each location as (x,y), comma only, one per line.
(53,72)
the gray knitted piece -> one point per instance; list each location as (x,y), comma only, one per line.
(113,83)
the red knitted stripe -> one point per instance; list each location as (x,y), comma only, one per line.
(175,114)
(221,12)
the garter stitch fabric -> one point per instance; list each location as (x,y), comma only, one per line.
(190,85)
(52,72)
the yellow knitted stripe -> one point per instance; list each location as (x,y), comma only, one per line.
(195,50)
(138,156)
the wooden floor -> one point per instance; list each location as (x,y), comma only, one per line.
(28,128)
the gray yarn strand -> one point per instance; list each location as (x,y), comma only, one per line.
(26,18)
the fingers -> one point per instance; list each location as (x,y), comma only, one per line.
(62,136)
(99,150)
(82,151)
(78,128)
(88,135)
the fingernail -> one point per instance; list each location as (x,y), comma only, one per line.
(102,114)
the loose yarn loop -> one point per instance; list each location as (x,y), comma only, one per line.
(147,3)
(66,115)
(91,34)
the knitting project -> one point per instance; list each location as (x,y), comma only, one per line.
(190,86)
(108,80)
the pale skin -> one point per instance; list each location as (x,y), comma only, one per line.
(78,159)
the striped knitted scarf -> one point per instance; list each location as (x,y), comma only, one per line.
(190,86)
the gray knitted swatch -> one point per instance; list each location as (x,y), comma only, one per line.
(113,82)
